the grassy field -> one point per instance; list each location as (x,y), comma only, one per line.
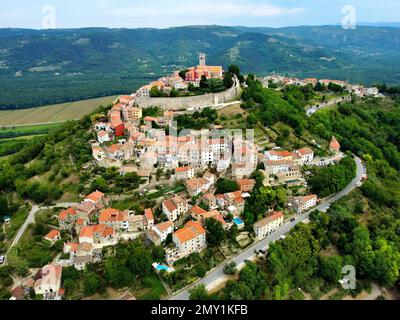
(53,113)
(29,128)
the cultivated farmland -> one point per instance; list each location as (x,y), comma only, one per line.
(53,113)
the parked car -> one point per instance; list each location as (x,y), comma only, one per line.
(262,251)
(2,259)
(293,220)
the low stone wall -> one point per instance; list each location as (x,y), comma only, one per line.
(184,103)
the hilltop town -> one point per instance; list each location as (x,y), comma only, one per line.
(212,172)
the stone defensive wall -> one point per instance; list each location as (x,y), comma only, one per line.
(194,102)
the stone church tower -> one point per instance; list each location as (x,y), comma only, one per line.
(202,59)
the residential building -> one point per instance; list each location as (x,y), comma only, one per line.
(334,146)
(104,235)
(67,219)
(115,152)
(306,155)
(163,229)
(174,207)
(149,218)
(244,169)
(246,185)
(275,166)
(53,236)
(196,186)
(302,204)
(222,162)
(196,211)
(136,223)
(191,238)
(184,173)
(275,155)
(86,208)
(267,225)
(86,235)
(210,200)
(213,214)
(98,153)
(113,218)
(292,174)
(49,282)
(83,255)
(98,198)
(81,222)
(103,136)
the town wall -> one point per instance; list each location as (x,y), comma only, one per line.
(194,102)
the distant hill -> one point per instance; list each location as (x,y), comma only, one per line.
(380,24)
(39,67)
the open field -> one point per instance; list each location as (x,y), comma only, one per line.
(56,113)
(18,133)
(28,129)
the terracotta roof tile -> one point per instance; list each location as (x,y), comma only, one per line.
(191,230)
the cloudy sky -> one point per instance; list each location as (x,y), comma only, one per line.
(166,13)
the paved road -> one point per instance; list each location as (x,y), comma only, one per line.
(323,105)
(218,274)
(31,219)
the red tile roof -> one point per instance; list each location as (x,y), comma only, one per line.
(52,234)
(63,214)
(164,226)
(112,215)
(191,230)
(334,145)
(86,232)
(170,205)
(267,220)
(284,153)
(214,214)
(95,196)
(73,246)
(183,169)
(246,183)
(80,221)
(308,198)
(239,200)
(196,211)
(148,213)
(305,151)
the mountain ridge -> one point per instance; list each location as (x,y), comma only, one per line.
(39,67)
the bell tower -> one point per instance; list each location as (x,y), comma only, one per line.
(202,59)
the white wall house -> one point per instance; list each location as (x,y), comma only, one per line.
(268,225)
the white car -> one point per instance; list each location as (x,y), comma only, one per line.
(2,259)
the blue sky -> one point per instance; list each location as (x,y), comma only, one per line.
(166,13)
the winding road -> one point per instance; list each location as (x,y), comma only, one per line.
(217,275)
(311,110)
(31,219)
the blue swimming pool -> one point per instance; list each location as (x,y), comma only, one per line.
(238,221)
(162,267)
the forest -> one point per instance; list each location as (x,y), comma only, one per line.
(361,230)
